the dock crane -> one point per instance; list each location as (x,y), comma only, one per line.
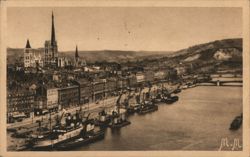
(126,101)
(118,102)
(119,119)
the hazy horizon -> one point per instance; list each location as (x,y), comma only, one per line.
(127,29)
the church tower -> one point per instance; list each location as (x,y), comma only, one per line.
(76,57)
(28,44)
(51,50)
(32,58)
(27,54)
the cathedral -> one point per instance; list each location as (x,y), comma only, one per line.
(49,56)
(50,49)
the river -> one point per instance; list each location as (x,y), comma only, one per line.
(198,121)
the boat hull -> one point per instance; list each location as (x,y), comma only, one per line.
(50,144)
(236,124)
(171,100)
(119,125)
(75,144)
(147,110)
(102,123)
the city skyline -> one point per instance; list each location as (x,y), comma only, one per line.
(135,29)
(64,92)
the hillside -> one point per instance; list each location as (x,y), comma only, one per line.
(116,55)
(227,50)
(14,54)
(219,54)
(206,51)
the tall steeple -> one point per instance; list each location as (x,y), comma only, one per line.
(53,36)
(28,44)
(76,53)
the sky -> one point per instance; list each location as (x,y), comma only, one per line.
(122,28)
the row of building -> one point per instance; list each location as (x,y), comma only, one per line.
(58,95)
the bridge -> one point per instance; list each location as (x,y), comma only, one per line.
(221,81)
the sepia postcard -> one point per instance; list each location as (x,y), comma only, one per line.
(125,78)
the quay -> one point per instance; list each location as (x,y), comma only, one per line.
(92,108)
(30,124)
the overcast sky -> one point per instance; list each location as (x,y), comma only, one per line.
(114,28)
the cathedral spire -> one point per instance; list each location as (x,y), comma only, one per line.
(28,44)
(76,54)
(53,36)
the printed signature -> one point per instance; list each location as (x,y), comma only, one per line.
(227,144)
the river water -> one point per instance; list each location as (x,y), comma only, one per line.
(198,121)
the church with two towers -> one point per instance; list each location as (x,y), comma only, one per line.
(49,57)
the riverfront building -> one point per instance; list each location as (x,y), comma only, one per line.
(50,95)
(85,91)
(99,88)
(19,103)
(68,96)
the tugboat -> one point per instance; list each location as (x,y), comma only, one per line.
(236,123)
(176,91)
(58,134)
(133,108)
(158,97)
(148,105)
(119,117)
(103,119)
(87,136)
(167,98)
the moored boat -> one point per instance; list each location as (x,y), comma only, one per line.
(59,133)
(52,140)
(147,107)
(119,119)
(87,135)
(133,108)
(170,99)
(236,123)
(119,116)
(157,99)
(176,91)
(81,141)
(147,104)
(103,119)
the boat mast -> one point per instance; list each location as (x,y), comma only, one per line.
(127,100)
(50,126)
(85,124)
(149,90)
